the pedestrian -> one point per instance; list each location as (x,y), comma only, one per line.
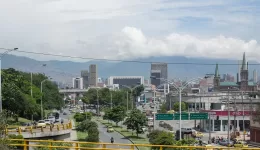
(112,140)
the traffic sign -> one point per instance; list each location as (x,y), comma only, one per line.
(184,116)
(199,116)
(164,116)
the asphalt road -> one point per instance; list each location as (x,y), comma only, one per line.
(104,137)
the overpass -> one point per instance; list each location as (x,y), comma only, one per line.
(72,91)
(56,132)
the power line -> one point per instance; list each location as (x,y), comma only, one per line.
(129,61)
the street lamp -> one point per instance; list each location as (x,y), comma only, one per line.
(98,113)
(32,81)
(1,55)
(243,109)
(180,89)
(41,97)
(131,94)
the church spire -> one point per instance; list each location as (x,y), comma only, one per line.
(216,71)
(244,64)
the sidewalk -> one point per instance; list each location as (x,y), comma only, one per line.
(73,133)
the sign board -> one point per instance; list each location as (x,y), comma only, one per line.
(184,116)
(164,116)
(199,116)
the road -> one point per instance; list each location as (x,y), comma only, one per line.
(104,137)
(173,123)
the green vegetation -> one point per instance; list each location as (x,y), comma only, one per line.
(45,144)
(115,114)
(91,128)
(17,98)
(177,104)
(104,96)
(135,121)
(158,137)
(79,117)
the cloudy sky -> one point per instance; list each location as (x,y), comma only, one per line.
(131,29)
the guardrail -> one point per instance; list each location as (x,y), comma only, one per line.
(26,144)
(33,129)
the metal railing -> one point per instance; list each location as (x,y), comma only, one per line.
(34,129)
(76,145)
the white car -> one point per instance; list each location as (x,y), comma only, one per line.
(51,118)
(41,123)
(47,121)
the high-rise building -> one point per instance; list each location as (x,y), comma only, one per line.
(255,76)
(156,77)
(77,83)
(159,70)
(85,75)
(93,75)
(126,80)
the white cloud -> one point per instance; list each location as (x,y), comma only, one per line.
(90,28)
(132,43)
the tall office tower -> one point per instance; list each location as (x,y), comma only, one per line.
(77,83)
(93,75)
(157,68)
(255,76)
(84,75)
(156,75)
(239,69)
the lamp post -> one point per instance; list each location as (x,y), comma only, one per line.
(243,109)
(32,81)
(111,100)
(1,55)
(131,94)
(41,97)
(180,88)
(98,113)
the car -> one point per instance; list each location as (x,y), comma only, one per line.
(224,142)
(41,123)
(64,113)
(47,121)
(161,123)
(110,129)
(51,118)
(187,130)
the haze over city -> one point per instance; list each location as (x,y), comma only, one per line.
(132,29)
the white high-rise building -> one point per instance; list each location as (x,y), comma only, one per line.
(77,83)
(255,76)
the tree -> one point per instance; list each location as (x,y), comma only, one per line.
(158,137)
(17,99)
(86,125)
(138,91)
(176,106)
(136,121)
(117,114)
(91,128)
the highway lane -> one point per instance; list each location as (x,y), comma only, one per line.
(104,137)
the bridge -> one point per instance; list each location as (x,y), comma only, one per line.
(58,131)
(76,145)
(73,90)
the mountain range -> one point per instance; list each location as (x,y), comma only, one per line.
(64,70)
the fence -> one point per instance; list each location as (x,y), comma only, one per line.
(32,129)
(26,144)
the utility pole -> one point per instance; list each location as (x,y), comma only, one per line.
(209,128)
(97,103)
(228,119)
(242,96)
(111,104)
(127,101)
